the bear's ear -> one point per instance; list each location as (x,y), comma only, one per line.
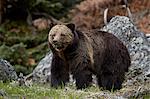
(71,26)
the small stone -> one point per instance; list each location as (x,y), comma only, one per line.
(21,80)
(2,93)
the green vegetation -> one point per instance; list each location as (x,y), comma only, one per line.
(45,91)
(22,48)
(22,9)
(56,8)
(40,91)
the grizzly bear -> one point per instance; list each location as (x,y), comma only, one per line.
(85,53)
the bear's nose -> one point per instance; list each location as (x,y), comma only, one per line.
(54,41)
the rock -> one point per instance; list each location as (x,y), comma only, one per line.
(104,95)
(41,74)
(21,80)
(2,93)
(7,72)
(138,45)
(148,36)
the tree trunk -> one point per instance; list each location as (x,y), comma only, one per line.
(1,9)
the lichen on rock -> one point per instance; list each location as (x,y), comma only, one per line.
(7,72)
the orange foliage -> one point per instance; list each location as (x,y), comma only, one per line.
(89,13)
(144,24)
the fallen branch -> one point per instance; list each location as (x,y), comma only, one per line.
(125,6)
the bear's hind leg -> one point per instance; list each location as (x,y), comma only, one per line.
(110,82)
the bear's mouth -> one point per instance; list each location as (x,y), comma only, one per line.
(59,47)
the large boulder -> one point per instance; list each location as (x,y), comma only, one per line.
(138,46)
(7,72)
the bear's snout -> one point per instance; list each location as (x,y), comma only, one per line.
(58,45)
(54,41)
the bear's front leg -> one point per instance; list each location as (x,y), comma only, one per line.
(83,78)
(59,72)
(59,79)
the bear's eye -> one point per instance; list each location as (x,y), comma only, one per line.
(62,34)
(52,35)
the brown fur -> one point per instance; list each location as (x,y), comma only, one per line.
(57,33)
(91,52)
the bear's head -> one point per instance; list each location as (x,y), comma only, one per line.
(61,36)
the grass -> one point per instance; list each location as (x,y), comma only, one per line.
(36,91)
(44,92)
